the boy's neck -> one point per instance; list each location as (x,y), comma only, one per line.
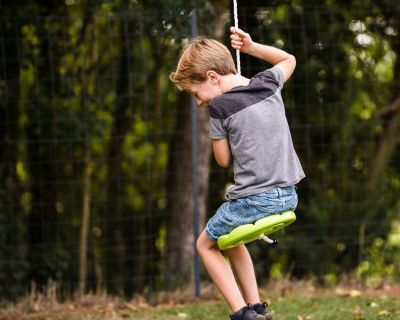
(230,81)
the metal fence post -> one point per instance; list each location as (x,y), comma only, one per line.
(195,172)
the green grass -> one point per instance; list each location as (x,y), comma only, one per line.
(296,306)
(291,308)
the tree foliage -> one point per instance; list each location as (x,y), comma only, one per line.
(95,157)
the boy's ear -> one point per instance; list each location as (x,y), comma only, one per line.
(213,76)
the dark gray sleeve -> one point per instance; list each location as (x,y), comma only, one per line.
(272,75)
(217,130)
(278,74)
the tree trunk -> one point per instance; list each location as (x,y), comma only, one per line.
(10,217)
(180,234)
(204,162)
(45,254)
(113,214)
(89,89)
(85,223)
(179,187)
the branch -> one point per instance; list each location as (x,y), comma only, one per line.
(389,109)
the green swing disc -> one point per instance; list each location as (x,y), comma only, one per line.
(250,232)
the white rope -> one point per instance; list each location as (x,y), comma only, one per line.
(235,16)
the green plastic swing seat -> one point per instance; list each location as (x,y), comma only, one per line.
(259,229)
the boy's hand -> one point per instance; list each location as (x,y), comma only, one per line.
(240,40)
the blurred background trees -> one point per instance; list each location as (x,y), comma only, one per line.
(95,159)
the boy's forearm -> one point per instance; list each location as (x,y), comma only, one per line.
(270,54)
(222,152)
(277,57)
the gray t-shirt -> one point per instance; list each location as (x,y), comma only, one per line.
(253,119)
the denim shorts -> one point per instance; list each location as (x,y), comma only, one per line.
(237,212)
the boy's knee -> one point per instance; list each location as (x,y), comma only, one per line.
(200,245)
(203,244)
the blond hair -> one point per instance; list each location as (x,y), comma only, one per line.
(199,56)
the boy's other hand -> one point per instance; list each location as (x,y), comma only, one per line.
(240,40)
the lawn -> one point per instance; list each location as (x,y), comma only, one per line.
(326,305)
(290,308)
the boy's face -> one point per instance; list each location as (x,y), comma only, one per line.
(206,91)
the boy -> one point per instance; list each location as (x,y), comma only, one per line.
(248,127)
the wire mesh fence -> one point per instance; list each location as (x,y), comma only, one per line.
(96,152)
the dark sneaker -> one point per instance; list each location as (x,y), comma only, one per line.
(261,308)
(246,313)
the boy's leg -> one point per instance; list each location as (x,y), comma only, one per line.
(220,271)
(243,269)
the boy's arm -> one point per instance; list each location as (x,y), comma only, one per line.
(242,41)
(222,152)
